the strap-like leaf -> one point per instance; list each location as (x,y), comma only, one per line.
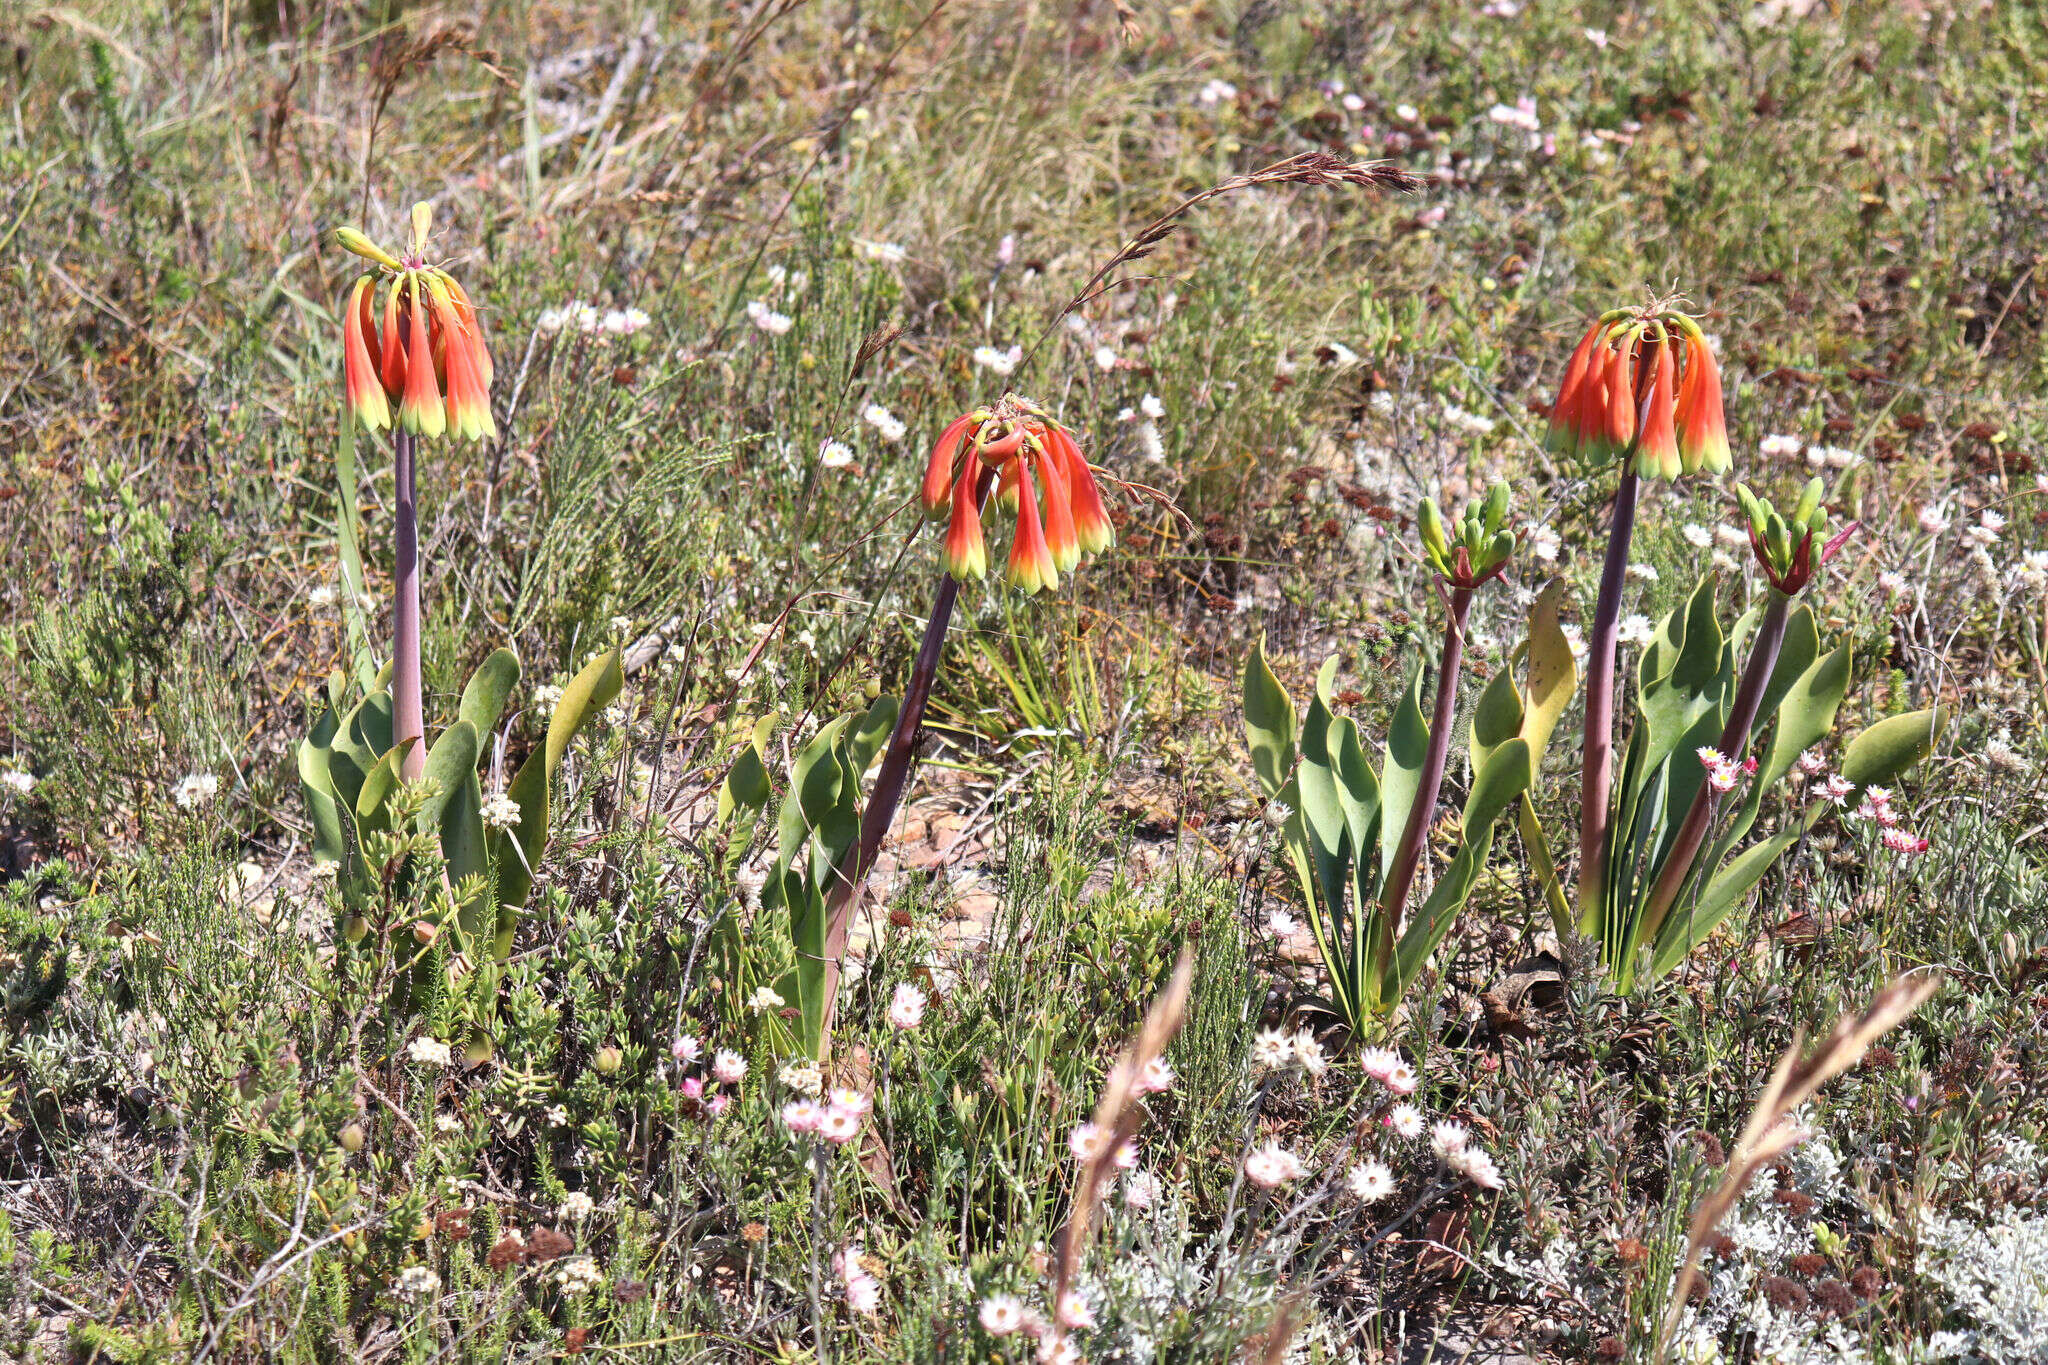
(484,697)
(454,812)
(1322,810)
(1505,777)
(515,857)
(1269,722)
(1496,717)
(1891,746)
(746,782)
(1553,675)
(814,782)
(372,801)
(1687,928)
(1401,771)
(331,843)
(865,739)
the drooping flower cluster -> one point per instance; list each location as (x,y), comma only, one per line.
(1032,457)
(1651,365)
(428,357)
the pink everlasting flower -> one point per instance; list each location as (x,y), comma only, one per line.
(839,1126)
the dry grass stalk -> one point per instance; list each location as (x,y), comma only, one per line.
(1309,168)
(1280,1335)
(1117,1118)
(1769,1135)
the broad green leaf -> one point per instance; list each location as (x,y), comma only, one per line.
(1269,722)
(483,698)
(452,759)
(363,737)
(1697,680)
(454,813)
(1505,777)
(866,738)
(1553,674)
(589,692)
(746,782)
(323,807)
(1358,793)
(1545,867)
(1322,810)
(1496,717)
(1688,928)
(1888,748)
(468,852)
(1401,770)
(1684,775)
(383,779)
(1805,714)
(516,856)
(1796,653)
(1429,925)
(814,783)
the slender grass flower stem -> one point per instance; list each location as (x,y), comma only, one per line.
(408,718)
(1402,876)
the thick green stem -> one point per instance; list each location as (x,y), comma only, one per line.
(408,718)
(1756,676)
(1416,832)
(1598,777)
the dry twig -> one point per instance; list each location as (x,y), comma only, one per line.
(1768,1134)
(1117,1118)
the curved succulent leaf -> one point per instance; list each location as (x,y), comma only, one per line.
(484,697)
(1401,770)
(1269,722)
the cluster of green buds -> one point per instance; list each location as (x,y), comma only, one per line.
(1483,544)
(1785,545)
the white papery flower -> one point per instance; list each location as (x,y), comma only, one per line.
(997,360)
(195,789)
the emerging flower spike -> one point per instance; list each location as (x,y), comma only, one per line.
(1483,545)
(1784,546)
(1033,458)
(1651,364)
(429,356)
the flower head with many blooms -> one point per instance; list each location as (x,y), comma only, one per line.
(429,356)
(1031,458)
(1651,365)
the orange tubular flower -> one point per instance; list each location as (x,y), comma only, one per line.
(1650,364)
(1032,456)
(430,358)
(1657,452)
(1577,398)
(366,399)
(1702,427)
